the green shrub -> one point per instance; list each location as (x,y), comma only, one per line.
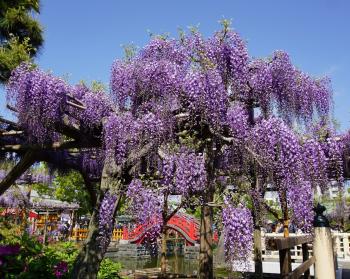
(35,260)
(109,269)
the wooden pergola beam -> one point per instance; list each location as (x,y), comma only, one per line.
(71,144)
(24,164)
(10,133)
(9,122)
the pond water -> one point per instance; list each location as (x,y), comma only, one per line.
(176,264)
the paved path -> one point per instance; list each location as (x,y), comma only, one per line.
(346,274)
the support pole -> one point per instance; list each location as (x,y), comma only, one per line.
(45,227)
(176,268)
(305,258)
(323,246)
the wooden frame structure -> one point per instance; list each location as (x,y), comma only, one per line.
(283,245)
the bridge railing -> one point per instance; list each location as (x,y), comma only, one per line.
(138,230)
(81,234)
(188,225)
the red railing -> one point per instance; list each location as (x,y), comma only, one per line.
(184,224)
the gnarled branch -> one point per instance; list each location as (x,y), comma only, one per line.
(75,105)
(174,211)
(232,140)
(76,100)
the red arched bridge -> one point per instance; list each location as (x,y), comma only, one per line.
(184,224)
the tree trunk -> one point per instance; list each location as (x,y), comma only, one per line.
(284,206)
(257,211)
(163,252)
(90,256)
(206,243)
(88,262)
(220,258)
(26,214)
(206,270)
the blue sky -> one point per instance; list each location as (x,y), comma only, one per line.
(82,38)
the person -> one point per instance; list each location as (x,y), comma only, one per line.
(273,227)
(63,229)
(291,228)
(268,228)
(279,227)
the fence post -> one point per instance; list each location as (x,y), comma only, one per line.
(285,264)
(323,246)
(305,258)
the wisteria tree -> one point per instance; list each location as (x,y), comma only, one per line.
(213,89)
(205,96)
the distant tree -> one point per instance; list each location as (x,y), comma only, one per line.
(70,187)
(20,34)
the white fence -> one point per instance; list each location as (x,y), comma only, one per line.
(341,242)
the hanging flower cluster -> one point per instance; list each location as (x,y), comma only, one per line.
(184,172)
(106,222)
(238,234)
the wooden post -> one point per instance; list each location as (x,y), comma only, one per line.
(72,217)
(176,268)
(284,262)
(305,258)
(35,224)
(45,226)
(283,245)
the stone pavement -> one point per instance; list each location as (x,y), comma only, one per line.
(346,274)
